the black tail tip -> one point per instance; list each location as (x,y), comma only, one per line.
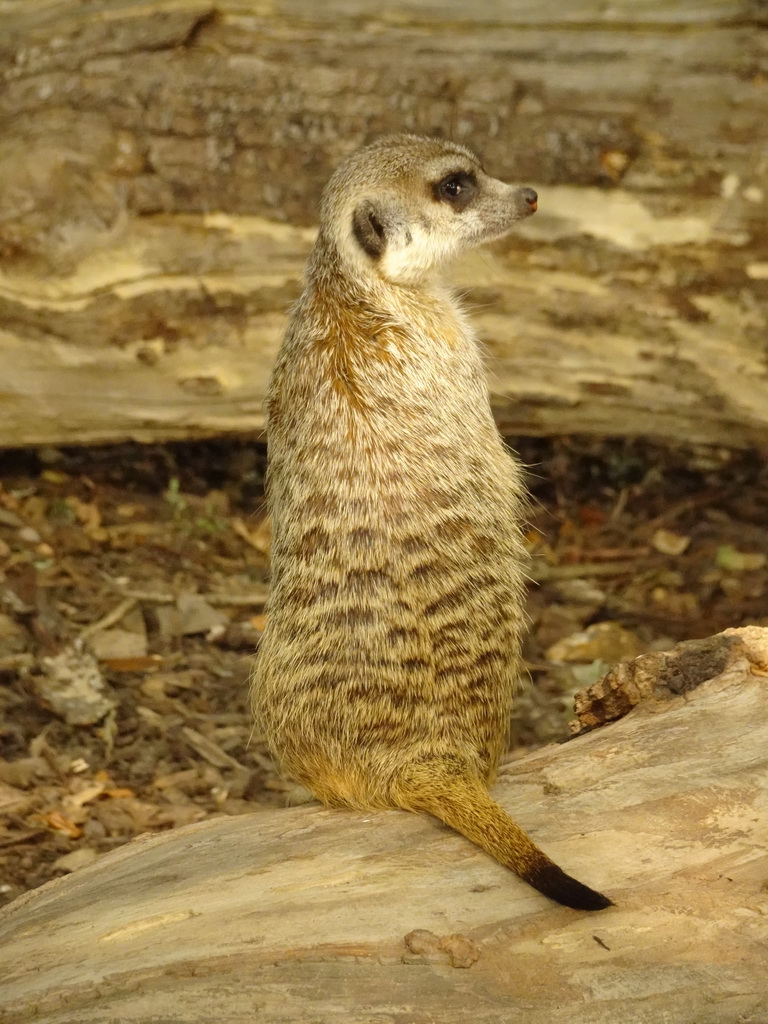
(554,883)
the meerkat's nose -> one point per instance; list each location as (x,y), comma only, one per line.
(531,197)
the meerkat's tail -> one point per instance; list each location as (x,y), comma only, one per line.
(447,787)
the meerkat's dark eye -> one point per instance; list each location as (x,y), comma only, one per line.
(458,189)
(453,187)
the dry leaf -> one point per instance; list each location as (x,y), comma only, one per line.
(57,821)
(614,162)
(669,543)
(89,515)
(142,664)
(728,557)
(127,511)
(603,641)
(85,795)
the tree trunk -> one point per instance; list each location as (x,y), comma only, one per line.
(311,915)
(161,165)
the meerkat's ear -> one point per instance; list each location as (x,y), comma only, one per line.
(369,224)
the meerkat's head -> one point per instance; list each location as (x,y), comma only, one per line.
(404,205)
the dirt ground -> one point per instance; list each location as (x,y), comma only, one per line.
(132,585)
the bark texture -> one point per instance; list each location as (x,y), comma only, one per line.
(307,915)
(161,163)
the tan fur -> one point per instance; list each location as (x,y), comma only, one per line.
(385,674)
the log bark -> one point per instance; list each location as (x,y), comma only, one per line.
(310,915)
(161,164)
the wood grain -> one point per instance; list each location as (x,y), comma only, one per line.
(309,915)
(162,161)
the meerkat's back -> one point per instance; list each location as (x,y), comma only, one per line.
(385,674)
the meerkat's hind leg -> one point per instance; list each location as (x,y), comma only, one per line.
(448,787)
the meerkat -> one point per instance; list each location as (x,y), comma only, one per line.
(385,674)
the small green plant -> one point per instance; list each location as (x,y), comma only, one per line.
(210,525)
(187,516)
(61,512)
(176,499)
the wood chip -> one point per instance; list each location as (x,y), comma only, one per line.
(79,858)
(111,618)
(74,688)
(209,750)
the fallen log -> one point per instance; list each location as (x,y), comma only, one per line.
(310,915)
(162,162)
